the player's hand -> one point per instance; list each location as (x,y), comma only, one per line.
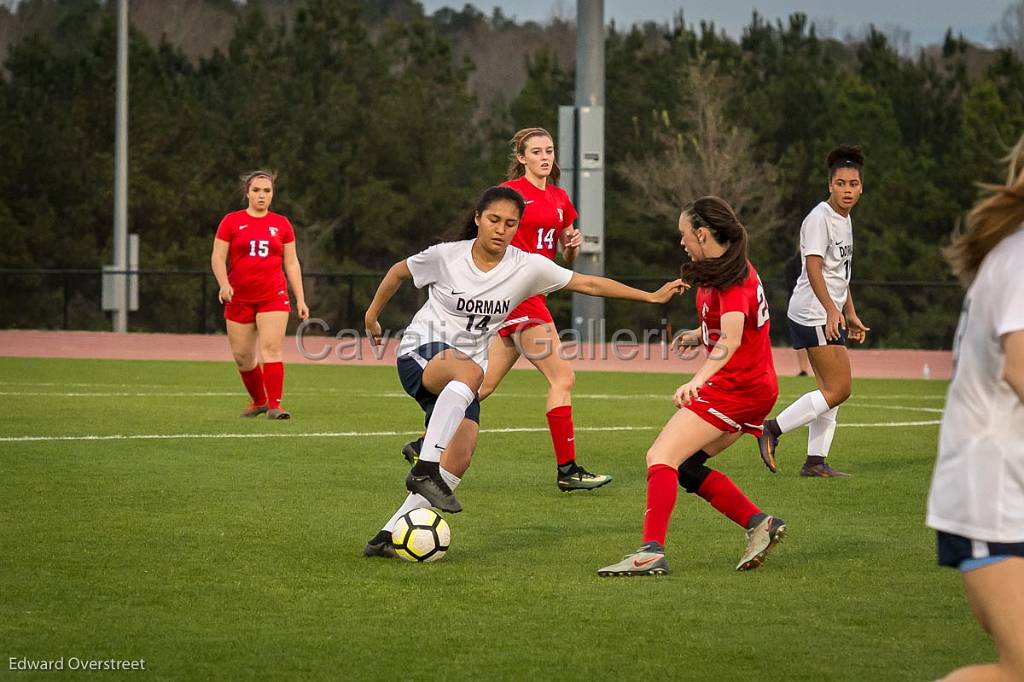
(833,321)
(302,309)
(857,331)
(668,290)
(373,331)
(686,393)
(226,294)
(684,340)
(571,238)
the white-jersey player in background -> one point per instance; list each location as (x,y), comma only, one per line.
(977,496)
(473,285)
(822,317)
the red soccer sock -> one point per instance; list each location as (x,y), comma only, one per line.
(253,380)
(273,379)
(563,437)
(719,490)
(662,488)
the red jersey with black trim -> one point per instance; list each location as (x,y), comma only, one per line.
(256,254)
(548,212)
(751,367)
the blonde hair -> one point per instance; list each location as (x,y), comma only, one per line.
(247,178)
(998,212)
(518,142)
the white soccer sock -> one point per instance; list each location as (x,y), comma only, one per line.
(451,479)
(444,422)
(802,412)
(412,501)
(820,432)
(416,501)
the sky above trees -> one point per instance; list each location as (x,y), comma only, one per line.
(974,19)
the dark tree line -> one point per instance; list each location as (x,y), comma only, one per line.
(383,139)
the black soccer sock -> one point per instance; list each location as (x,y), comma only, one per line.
(568,469)
(814,460)
(756,519)
(381,536)
(772,426)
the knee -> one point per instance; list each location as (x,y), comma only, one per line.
(836,394)
(245,360)
(564,379)
(271,352)
(471,375)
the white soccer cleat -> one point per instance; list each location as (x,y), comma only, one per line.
(648,560)
(765,534)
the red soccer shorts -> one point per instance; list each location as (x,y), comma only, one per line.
(733,411)
(533,312)
(245,313)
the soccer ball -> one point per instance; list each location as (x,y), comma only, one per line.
(421,535)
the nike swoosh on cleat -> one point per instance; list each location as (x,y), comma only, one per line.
(641,564)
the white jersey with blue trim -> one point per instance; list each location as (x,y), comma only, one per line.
(828,234)
(465,305)
(978,484)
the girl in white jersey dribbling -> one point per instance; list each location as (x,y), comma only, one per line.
(977,497)
(473,285)
(822,316)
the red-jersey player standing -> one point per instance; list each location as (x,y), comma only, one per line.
(731,394)
(530,330)
(249,251)
(546,224)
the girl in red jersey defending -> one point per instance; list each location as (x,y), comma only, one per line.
(257,243)
(731,394)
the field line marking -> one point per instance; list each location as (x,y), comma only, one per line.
(363,434)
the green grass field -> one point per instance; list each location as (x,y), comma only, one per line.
(240,556)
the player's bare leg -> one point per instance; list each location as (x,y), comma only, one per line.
(996,596)
(502,354)
(542,347)
(242,338)
(272,326)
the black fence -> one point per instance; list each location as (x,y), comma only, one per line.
(901,314)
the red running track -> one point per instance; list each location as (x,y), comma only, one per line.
(882,364)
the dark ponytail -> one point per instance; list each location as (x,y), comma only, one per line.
(845,156)
(469,228)
(731,267)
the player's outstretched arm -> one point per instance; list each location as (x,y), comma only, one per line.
(609,288)
(391,283)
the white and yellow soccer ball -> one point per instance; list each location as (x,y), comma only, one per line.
(421,535)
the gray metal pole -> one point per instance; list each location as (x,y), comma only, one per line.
(588,311)
(121,172)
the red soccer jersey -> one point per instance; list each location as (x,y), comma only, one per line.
(548,212)
(751,368)
(256,254)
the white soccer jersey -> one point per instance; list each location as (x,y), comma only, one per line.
(467,306)
(827,234)
(978,484)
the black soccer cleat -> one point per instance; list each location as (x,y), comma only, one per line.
(380,545)
(578,478)
(411,451)
(425,479)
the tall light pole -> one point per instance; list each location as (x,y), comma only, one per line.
(121,173)
(588,175)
